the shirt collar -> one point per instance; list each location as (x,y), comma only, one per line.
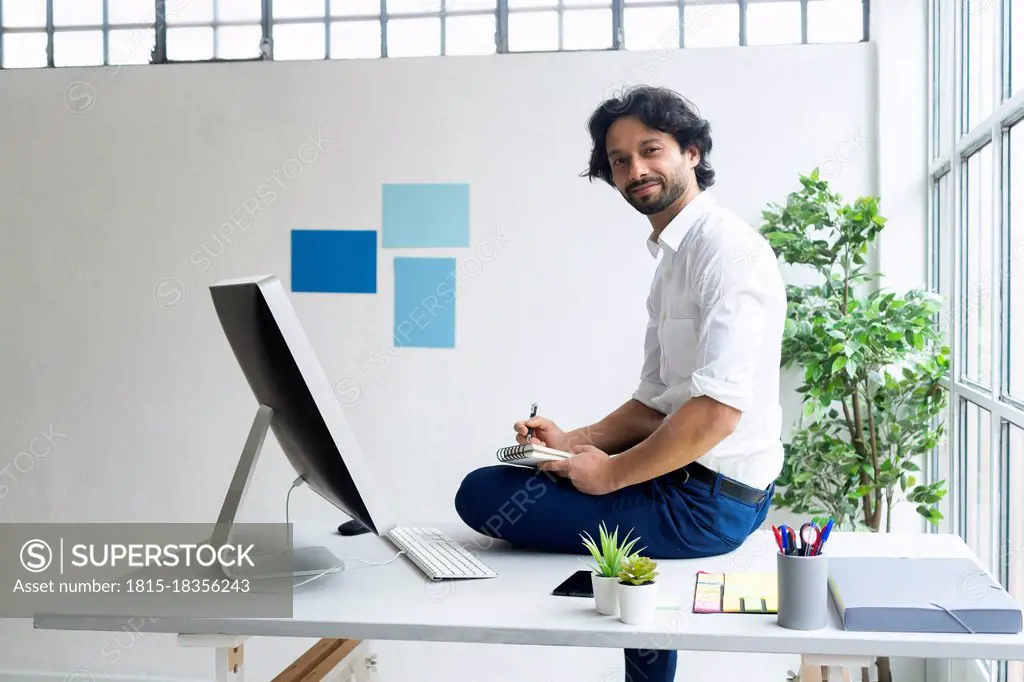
(693,213)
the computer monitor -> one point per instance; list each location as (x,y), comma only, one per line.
(294,395)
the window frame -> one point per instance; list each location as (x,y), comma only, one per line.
(501,12)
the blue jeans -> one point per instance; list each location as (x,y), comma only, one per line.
(676,517)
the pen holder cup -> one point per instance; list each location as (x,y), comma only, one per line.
(803,591)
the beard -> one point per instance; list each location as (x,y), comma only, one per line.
(658,200)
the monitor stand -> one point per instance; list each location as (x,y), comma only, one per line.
(305,561)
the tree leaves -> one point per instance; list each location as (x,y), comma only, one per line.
(875,353)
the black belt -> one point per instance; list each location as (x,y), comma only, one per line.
(727,486)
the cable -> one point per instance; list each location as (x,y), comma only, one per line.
(287,520)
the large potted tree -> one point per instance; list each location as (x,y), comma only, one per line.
(871,362)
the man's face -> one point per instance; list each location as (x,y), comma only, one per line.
(648,167)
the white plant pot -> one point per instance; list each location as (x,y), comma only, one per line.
(606,597)
(637,603)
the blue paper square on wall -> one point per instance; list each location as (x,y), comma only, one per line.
(334,261)
(426,215)
(424,302)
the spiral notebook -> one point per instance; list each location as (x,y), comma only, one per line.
(529,454)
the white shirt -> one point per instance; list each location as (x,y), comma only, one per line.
(717,311)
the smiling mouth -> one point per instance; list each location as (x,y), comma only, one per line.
(645,188)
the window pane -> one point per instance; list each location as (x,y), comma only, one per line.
(472,34)
(77,48)
(414,37)
(355,39)
(835,21)
(131,46)
(942,82)
(942,245)
(517,4)
(77,13)
(299,41)
(239,10)
(24,50)
(587,29)
(416,6)
(182,11)
(711,25)
(190,44)
(1015,582)
(944,469)
(1016,22)
(239,42)
(651,28)
(1015,257)
(981,492)
(354,8)
(26,13)
(532,31)
(773,23)
(570,3)
(130,11)
(982,42)
(297,9)
(977,268)
(465,5)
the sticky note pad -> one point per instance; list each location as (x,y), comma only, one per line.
(334,261)
(426,215)
(424,302)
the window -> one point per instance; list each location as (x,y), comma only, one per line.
(1015,22)
(651,28)
(567,28)
(941,79)
(711,25)
(1013,259)
(980,487)
(1015,526)
(942,250)
(837,21)
(980,63)
(976,163)
(774,23)
(25,48)
(976,283)
(129,32)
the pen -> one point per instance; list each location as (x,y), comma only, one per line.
(529,431)
(823,537)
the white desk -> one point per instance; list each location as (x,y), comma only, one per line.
(396,602)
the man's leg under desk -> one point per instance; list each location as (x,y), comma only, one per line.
(542,511)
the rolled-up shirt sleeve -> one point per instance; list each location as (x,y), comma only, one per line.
(731,285)
(651,385)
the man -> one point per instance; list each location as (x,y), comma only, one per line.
(697,447)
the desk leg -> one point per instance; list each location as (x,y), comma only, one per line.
(829,668)
(318,660)
(229,654)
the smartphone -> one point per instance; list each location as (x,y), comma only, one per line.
(576,585)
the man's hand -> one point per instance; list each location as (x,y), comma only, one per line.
(545,432)
(589,469)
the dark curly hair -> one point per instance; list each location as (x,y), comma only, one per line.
(658,108)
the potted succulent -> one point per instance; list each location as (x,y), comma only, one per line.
(609,557)
(637,590)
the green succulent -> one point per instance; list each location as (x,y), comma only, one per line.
(638,570)
(610,555)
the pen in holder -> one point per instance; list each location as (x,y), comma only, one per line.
(803,591)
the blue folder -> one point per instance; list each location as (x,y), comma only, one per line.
(920,595)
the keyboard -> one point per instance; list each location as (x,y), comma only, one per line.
(437,555)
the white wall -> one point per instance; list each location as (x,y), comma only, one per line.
(114,179)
